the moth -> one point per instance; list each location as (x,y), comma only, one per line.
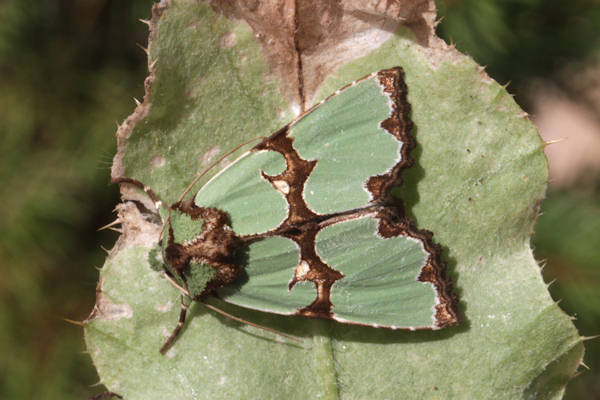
(305,222)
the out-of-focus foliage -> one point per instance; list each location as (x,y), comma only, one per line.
(68,71)
(522,40)
(567,239)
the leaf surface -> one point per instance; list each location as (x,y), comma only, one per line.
(479,176)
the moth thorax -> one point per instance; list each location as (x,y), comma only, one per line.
(208,261)
(212,258)
(217,244)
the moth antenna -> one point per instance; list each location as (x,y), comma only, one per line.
(164,225)
(214,163)
(218,310)
(243,321)
(175,333)
(177,286)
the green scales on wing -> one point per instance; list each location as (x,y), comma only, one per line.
(311,210)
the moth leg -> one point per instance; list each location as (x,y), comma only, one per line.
(244,321)
(182,314)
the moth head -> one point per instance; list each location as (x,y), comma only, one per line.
(197,248)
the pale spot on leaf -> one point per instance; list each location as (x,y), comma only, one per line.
(295,109)
(157,161)
(172,352)
(210,154)
(227,40)
(109,311)
(163,307)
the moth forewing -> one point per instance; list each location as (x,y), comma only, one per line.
(311,209)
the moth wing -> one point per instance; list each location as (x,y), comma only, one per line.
(357,133)
(381,284)
(242,191)
(360,132)
(264,285)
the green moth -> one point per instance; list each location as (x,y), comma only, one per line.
(305,222)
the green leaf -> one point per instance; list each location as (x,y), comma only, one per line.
(479,176)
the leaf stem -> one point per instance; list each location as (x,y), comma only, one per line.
(325,369)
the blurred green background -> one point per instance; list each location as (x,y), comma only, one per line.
(70,68)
